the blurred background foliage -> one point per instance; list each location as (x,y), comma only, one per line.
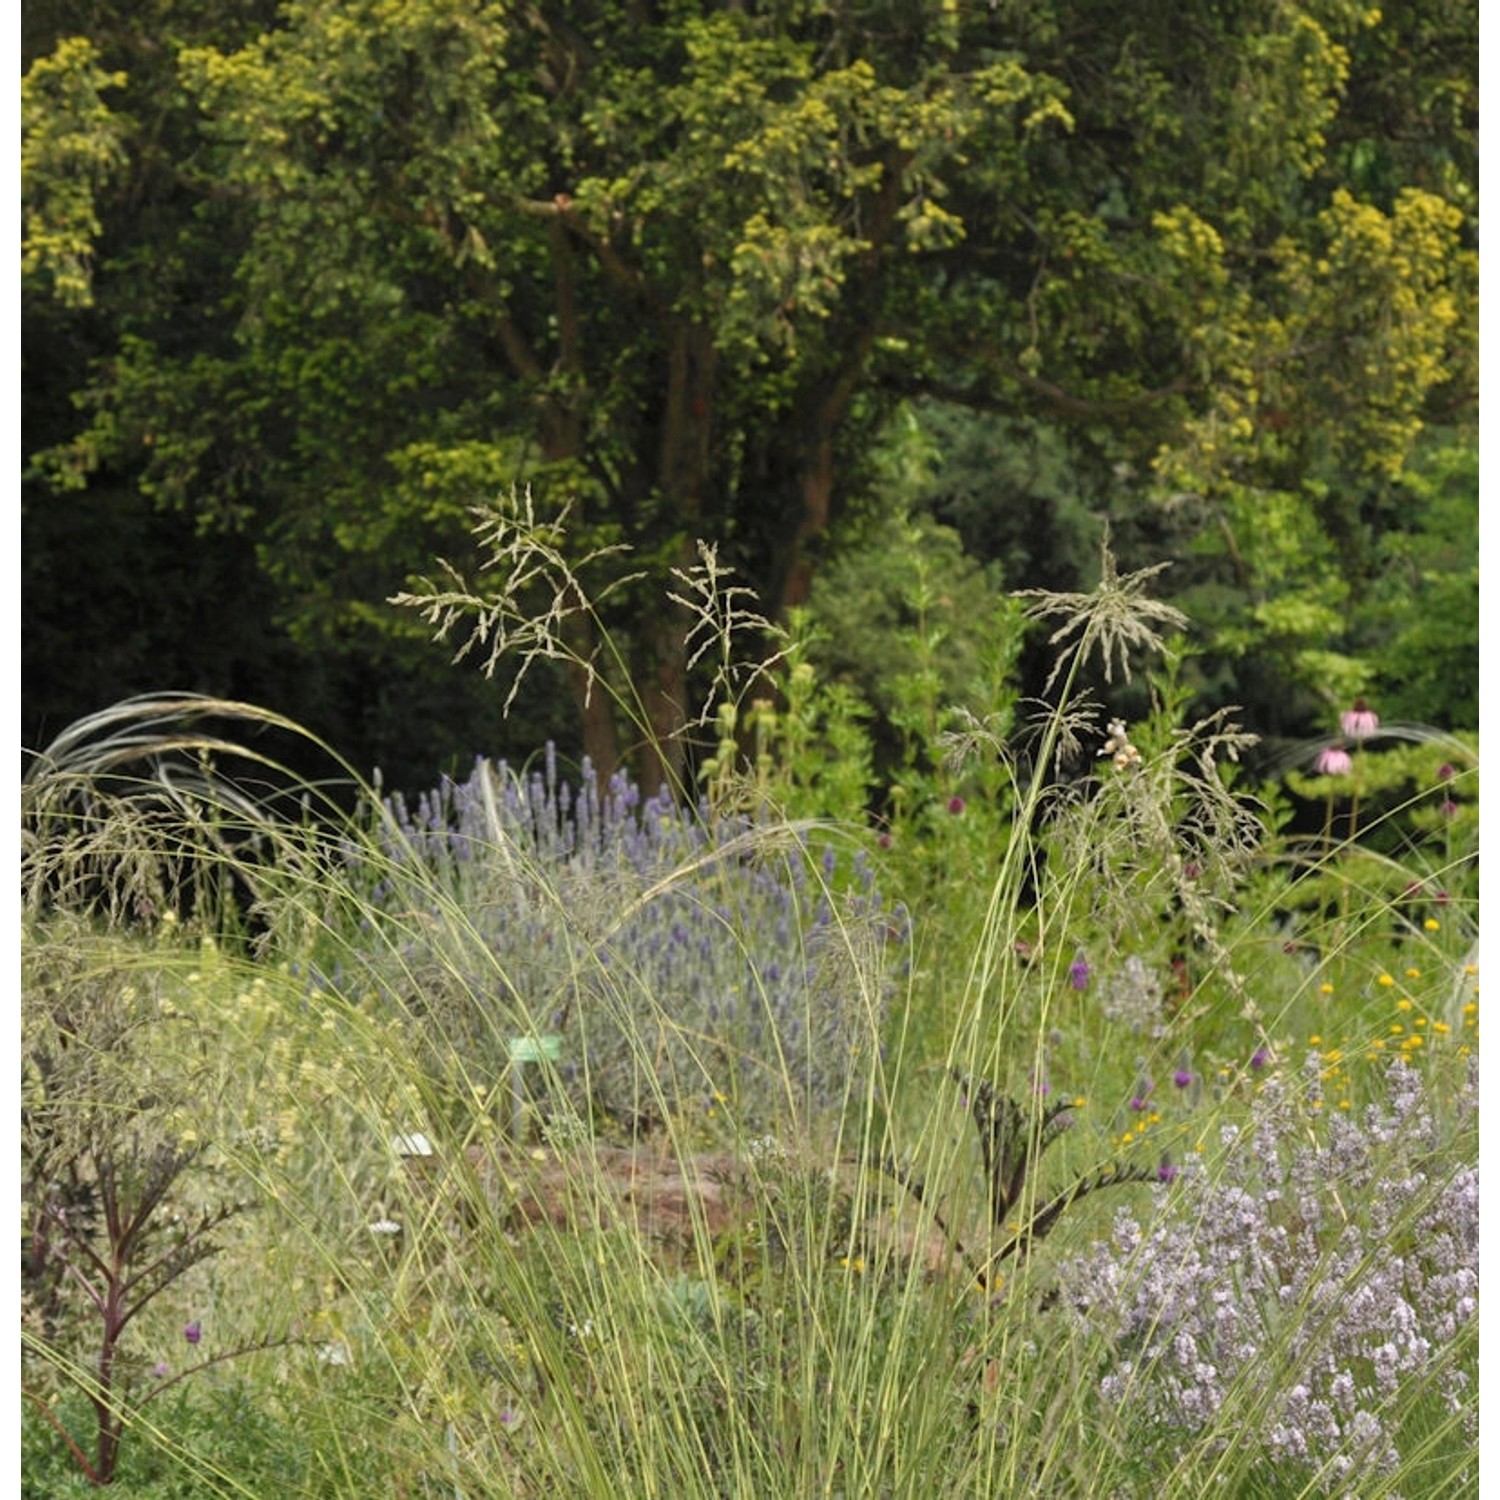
(898,305)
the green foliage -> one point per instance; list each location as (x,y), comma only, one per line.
(364,266)
(914,627)
(1421,613)
(71,143)
(195,1444)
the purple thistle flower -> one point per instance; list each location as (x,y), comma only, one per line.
(1333,760)
(1259,1058)
(1449,809)
(1446,772)
(160,1370)
(956,805)
(1182,1078)
(1359,722)
(1078,972)
(193,1333)
(1166,1172)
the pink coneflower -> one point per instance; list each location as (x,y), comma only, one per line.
(1359,722)
(1333,760)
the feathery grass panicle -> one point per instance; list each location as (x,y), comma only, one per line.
(1114,619)
(534,605)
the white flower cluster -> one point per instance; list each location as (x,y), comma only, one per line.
(1272,1273)
(1118,746)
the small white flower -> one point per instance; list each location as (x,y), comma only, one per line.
(1118,745)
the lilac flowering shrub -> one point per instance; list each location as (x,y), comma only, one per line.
(1302,1296)
(688,961)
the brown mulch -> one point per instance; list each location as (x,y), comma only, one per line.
(673,1202)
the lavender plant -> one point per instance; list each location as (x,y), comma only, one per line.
(1301,1299)
(655,938)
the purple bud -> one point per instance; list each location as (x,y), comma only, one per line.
(193,1332)
(161,1370)
(1449,809)
(1446,772)
(1259,1058)
(1078,972)
(1166,1172)
(956,805)
(884,841)
(1182,1078)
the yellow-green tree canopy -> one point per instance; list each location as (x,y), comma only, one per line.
(678,263)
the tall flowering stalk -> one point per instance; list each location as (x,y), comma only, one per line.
(1358,724)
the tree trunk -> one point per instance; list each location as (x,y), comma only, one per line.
(683,469)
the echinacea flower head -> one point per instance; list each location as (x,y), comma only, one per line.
(1359,722)
(1333,760)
